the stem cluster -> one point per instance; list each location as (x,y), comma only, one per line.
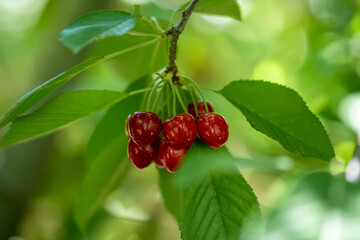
(173,95)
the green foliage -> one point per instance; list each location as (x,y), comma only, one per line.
(105,173)
(170,192)
(107,150)
(105,23)
(281,114)
(331,201)
(134,64)
(40,92)
(94,26)
(58,112)
(218,205)
(228,8)
(208,196)
(111,127)
(144,26)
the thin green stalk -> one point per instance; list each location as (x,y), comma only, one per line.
(168,99)
(199,91)
(147,93)
(156,85)
(174,96)
(179,98)
(153,57)
(210,90)
(190,89)
(157,96)
(183,95)
(132,48)
(136,92)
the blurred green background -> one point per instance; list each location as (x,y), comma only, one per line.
(312,46)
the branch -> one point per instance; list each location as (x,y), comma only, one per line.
(175,32)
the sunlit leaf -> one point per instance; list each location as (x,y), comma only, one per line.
(96,25)
(228,8)
(280,113)
(58,112)
(144,26)
(218,205)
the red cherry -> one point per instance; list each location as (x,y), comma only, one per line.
(144,127)
(213,129)
(180,130)
(157,160)
(171,156)
(141,156)
(127,130)
(201,108)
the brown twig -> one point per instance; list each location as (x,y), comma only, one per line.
(175,32)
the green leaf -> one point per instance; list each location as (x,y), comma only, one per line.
(195,169)
(112,125)
(105,173)
(219,205)
(228,8)
(280,113)
(38,93)
(144,26)
(170,192)
(96,25)
(107,149)
(58,112)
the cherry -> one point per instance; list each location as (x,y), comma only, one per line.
(127,130)
(141,156)
(144,127)
(157,160)
(180,130)
(200,107)
(171,156)
(213,129)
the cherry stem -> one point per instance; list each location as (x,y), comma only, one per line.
(191,91)
(199,91)
(147,93)
(136,92)
(168,99)
(183,95)
(179,98)
(153,57)
(175,32)
(158,95)
(156,85)
(174,96)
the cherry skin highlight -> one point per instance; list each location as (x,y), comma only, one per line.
(171,157)
(213,129)
(180,130)
(141,156)
(144,127)
(201,108)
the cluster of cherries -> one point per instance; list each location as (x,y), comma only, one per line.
(179,133)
